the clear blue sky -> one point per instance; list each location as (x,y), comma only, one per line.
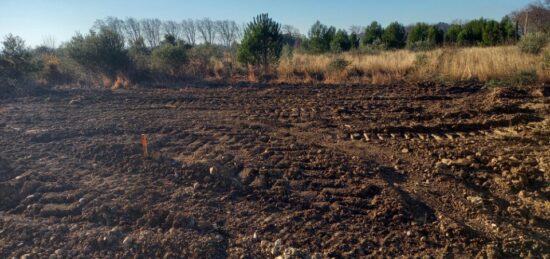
(35,19)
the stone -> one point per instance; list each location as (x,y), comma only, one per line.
(366,136)
(405,150)
(475,199)
(213,170)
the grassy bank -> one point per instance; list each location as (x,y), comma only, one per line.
(497,65)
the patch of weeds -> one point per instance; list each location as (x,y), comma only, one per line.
(339,64)
(421,60)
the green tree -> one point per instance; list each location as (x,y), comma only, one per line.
(354,40)
(170,56)
(102,52)
(418,33)
(373,33)
(262,42)
(320,37)
(508,29)
(435,35)
(451,36)
(340,42)
(395,36)
(15,58)
(492,34)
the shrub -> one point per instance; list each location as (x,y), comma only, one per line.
(15,58)
(421,60)
(169,57)
(102,52)
(525,78)
(422,45)
(262,43)
(532,43)
(315,74)
(339,64)
(202,59)
(546,61)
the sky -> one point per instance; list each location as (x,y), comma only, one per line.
(35,20)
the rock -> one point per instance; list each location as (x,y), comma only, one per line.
(196,186)
(26,256)
(405,150)
(213,170)
(475,199)
(366,136)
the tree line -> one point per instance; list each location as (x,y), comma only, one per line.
(146,50)
(152,31)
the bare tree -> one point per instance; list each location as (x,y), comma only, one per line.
(290,30)
(111,23)
(534,18)
(49,41)
(357,29)
(189,31)
(228,32)
(151,31)
(207,29)
(173,28)
(132,30)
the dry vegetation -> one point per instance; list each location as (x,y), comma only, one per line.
(501,65)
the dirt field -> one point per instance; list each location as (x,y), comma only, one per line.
(261,172)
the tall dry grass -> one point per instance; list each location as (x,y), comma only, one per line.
(504,63)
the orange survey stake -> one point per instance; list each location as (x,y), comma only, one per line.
(144,144)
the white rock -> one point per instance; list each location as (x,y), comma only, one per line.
(213,170)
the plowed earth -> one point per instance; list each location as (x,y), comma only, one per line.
(256,172)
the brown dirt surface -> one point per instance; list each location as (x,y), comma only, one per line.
(276,171)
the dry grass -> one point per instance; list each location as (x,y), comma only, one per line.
(505,63)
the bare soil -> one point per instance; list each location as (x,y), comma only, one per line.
(290,171)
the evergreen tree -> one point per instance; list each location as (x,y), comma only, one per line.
(373,33)
(394,36)
(340,42)
(262,43)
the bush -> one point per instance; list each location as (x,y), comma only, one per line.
(546,61)
(422,45)
(101,52)
(15,58)
(421,60)
(202,57)
(532,43)
(525,78)
(339,64)
(169,57)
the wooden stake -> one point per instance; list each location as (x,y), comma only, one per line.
(144,145)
